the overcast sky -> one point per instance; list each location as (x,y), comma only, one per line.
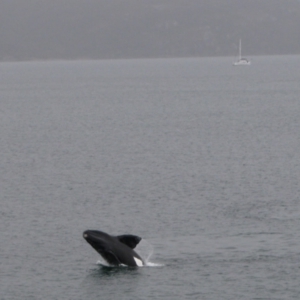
(97,29)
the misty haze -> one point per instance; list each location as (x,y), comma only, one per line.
(93,29)
(142,118)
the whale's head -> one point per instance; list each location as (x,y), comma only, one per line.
(97,239)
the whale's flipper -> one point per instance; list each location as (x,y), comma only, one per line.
(130,240)
(111,258)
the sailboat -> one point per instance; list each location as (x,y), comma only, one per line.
(241,61)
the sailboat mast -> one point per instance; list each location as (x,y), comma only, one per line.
(241,61)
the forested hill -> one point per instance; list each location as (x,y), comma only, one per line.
(99,29)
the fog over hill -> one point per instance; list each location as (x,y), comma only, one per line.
(100,29)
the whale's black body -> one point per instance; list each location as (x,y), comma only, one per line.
(116,250)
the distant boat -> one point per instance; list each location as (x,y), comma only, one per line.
(241,61)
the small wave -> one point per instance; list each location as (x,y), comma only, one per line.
(103,263)
(107,265)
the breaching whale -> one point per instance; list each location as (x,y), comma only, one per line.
(116,250)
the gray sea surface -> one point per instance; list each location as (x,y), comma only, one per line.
(199,158)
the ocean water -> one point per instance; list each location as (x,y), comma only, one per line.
(199,158)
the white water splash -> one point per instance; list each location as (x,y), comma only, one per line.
(152,264)
(145,250)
